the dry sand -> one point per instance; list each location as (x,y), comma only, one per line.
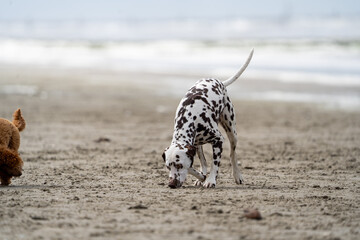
(93,166)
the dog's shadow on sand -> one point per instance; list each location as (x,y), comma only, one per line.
(241,187)
(28,187)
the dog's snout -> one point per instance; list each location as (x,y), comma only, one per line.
(17,173)
(174,183)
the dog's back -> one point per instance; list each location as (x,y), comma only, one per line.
(9,131)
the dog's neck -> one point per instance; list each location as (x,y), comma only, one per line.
(184,137)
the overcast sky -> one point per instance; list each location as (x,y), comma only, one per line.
(160,9)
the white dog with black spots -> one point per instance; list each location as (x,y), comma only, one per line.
(196,123)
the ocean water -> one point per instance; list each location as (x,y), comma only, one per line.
(321,53)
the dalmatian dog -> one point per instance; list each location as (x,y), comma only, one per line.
(196,123)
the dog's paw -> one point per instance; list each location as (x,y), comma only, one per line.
(5,182)
(209,184)
(239,179)
(198,183)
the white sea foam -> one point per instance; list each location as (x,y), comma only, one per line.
(19,89)
(326,63)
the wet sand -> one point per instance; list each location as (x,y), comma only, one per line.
(93,168)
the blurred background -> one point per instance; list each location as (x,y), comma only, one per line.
(305,51)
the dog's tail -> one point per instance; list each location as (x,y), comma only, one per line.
(238,74)
(18,120)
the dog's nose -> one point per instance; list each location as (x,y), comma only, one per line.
(173,183)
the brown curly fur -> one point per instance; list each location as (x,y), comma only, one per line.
(10,161)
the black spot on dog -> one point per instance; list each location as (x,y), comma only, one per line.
(213,116)
(191,150)
(200,128)
(206,119)
(228,106)
(214,104)
(217,144)
(206,132)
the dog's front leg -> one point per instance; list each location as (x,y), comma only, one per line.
(214,170)
(201,177)
(5,178)
(201,155)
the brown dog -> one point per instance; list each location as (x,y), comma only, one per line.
(10,161)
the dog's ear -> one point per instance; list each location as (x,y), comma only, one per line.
(163,156)
(191,150)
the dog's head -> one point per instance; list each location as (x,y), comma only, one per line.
(11,163)
(12,171)
(178,160)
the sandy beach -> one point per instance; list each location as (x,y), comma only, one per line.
(93,168)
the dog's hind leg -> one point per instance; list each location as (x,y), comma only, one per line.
(236,171)
(228,122)
(203,164)
(14,142)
